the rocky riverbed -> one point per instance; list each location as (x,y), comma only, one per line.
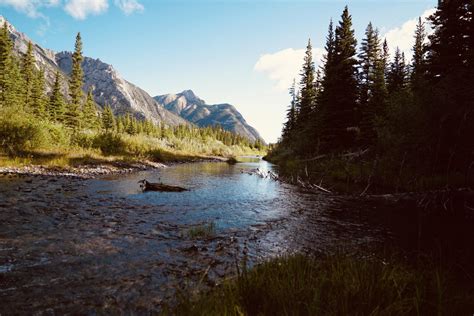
(81,171)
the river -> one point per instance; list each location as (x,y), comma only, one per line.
(101,245)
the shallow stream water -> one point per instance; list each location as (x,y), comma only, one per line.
(101,245)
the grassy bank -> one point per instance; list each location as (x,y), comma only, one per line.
(334,285)
(26,140)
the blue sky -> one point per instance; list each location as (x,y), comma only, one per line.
(240,52)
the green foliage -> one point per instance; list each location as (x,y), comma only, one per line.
(108,119)
(56,106)
(415,118)
(73,110)
(19,131)
(109,143)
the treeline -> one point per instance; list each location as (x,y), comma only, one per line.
(30,114)
(417,114)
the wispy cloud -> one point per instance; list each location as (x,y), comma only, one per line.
(404,36)
(80,9)
(129,6)
(283,66)
(30,7)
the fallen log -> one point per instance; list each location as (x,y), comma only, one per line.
(159,187)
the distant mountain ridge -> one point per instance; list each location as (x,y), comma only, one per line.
(193,109)
(109,87)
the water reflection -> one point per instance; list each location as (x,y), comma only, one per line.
(75,246)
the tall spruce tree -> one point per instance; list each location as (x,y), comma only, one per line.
(38,101)
(5,61)
(307,100)
(397,74)
(108,119)
(451,102)
(340,102)
(8,71)
(28,72)
(289,126)
(418,66)
(56,106)
(73,113)
(89,113)
(373,88)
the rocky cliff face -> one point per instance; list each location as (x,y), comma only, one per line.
(106,83)
(190,107)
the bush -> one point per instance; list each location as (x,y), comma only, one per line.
(83,139)
(109,143)
(19,132)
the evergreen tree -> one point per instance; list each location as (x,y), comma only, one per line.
(89,113)
(307,100)
(10,77)
(108,119)
(73,114)
(374,92)
(419,61)
(38,101)
(397,74)
(5,63)
(290,123)
(450,103)
(56,107)
(29,75)
(340,100)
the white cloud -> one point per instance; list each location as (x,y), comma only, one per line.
(404,36)
(129,6)
(285,65)
(80,9)
(30,7)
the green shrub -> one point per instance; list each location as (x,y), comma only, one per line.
(19,132)
(83,139)
(109,143)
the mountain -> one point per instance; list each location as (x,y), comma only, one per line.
(106,83)
(190,107)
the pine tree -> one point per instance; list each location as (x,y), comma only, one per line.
(450,103)
(29,75)
(5,62)
(397,74)
(89,113)
(38,101)
(290,123)
(73,114)
(340,101)
(108,119)
(56,106)
(418,66)
(368,60)
(307,101)
(374,92)
(10,77)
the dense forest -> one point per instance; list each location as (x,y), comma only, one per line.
(373,121)
(32,119)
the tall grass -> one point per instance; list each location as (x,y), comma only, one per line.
(334,285)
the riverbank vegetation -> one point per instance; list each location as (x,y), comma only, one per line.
(334,285)
(36,125)
(369,121)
